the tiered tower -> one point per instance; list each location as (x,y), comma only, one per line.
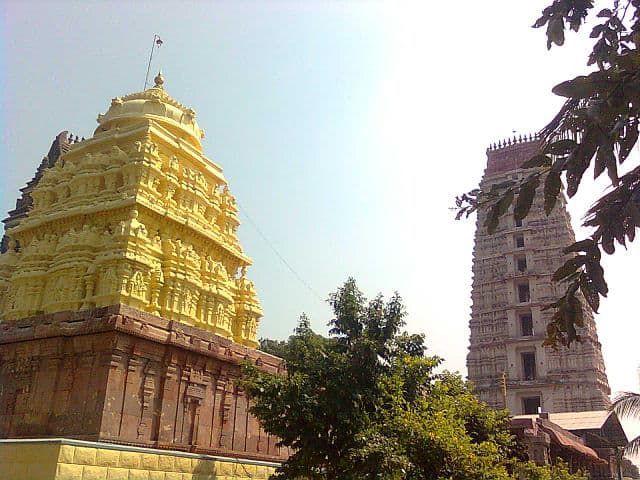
(60,145)
(135,215)
(125,309)
(512,282)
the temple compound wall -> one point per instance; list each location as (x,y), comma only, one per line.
(66,459)
(126,310)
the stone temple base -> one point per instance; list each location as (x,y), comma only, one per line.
(66,459)
(119,375)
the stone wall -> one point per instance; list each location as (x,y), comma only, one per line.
(61,459)
(120,375)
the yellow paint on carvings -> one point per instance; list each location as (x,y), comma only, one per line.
(134,215)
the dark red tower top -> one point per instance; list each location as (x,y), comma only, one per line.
(508,155)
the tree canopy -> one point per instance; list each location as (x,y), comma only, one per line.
(367,403)
(629,469)
(597,127)
(627,405)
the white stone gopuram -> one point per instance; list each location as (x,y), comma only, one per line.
(512,272)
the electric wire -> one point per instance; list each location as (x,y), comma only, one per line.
(277,253)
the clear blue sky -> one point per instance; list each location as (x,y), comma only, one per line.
(345,130)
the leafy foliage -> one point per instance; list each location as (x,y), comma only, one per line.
(531,471)
(273,347)
(598,125)
(279,348)
(366,403)
(629,469)
(627,404)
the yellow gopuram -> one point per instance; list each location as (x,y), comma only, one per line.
(135,215)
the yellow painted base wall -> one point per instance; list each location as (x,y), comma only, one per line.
(60,459)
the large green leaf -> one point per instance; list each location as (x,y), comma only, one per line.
(498,209)
(525,197)
(561,147)
(595,273)
(505,202)
(628,141)
(586,245)
(580,87)
(590,293)
(552,186)
(555,31)
(492,220)
(537,161)
(569,267)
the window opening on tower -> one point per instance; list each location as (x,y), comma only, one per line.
(528,365)
(530,405)
(521,264)
(526,325)
(524,295)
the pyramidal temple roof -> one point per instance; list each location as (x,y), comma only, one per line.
(156,104)
(136,215)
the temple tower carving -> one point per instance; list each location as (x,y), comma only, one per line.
(512,272)
(135,215)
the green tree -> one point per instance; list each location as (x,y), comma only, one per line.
(367,403)
(279,348)
(596,127)
(531,471)
(273,347)
(629,469)
(627,404)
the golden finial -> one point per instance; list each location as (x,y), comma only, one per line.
(159,80)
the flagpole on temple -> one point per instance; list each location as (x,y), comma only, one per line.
(156,41)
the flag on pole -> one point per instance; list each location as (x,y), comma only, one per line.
(157,42)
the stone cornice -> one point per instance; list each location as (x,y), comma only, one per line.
(131,321)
